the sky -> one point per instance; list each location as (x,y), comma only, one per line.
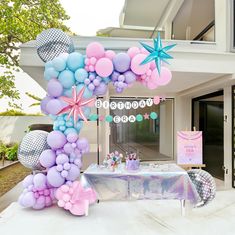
(86,18)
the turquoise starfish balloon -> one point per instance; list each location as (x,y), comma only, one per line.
(157,53)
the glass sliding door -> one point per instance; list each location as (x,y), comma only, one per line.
(151,139)
(233,136)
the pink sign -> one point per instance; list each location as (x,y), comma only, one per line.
(189,147)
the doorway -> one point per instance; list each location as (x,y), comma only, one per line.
(208,114)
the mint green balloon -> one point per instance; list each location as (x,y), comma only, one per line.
(153,115)
(93,117)
(139,118)
(109,118)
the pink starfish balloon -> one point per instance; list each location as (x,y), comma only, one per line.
(75,104)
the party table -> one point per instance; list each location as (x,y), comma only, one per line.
(166,181)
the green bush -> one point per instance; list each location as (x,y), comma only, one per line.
(11,152)
(3,149)
(13,112)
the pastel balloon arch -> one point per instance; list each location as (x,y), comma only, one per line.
(74,81)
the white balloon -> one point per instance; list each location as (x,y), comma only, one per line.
(98,103)
(105,104)
(149,102)
(135,105)
(116,119)
(120,105)
(132,118)
(113,105)
(128,105)
(142,103)
(124,119)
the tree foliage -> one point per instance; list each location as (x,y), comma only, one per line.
(22,21)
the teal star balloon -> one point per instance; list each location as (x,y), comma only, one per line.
(157,53)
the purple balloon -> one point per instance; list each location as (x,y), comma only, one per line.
(115,76)
(39,181)
(54,88)
(121,62)
(62,159)
(43,104)
(101,89)
(130,77)
(83,144)
(73,173)
(54,178)
(56,139)
(72,137)
(47,158)
(68,148)
(28,180)
(54,106)
(27,199)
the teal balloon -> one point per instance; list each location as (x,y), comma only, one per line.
(59,64)
(106,80)
(81,75)
(87,93)
(139,118)
(153,115)
(109,118)
(62,128)
(67,79)
(75,61)
(70,130)
(93,117)
(50,73)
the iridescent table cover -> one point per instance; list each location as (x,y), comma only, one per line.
(167,181)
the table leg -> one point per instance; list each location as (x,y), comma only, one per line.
(183,202)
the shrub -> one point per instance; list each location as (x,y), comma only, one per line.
(11,152)
(13,112)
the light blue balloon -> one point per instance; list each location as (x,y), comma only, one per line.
(87,93)
(106,80)
(50,73)
(67,92)
(153,115)
(70,130)
(69,124)
(62,128)
(48,64)
(59,64)
(79,125)
(67,79)
(75,61)
(81,75)
(61,123)
(87,111)
(60,118)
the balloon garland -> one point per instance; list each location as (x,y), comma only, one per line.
(73,82)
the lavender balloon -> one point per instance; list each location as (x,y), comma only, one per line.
(130,77)
(54,88)
(83,145)
(101,89)
(56,139)
(121,62)
(47,158)
(44,103)
(54,178)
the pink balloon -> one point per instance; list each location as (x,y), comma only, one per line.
(95,49)
(104,67)
(152,81)
(109,54)
(165,76)
(136,67)
(144,51)
(133,51)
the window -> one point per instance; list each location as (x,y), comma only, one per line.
(151,139)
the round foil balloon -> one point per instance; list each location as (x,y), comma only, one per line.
(31,147)
(205,185)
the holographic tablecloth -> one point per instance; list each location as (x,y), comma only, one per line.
(167,181)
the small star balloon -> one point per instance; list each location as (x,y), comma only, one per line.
(75,104)
(157,53)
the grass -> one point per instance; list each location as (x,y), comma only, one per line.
(11,176)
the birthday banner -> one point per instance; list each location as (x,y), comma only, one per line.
(129,105)
(124,118)
(189,147)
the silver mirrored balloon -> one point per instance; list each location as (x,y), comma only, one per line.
(52,42)
(31,147)
(205,185)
